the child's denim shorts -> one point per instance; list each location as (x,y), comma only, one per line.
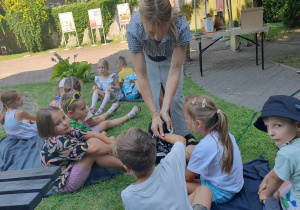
(219,196)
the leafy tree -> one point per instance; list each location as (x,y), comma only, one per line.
(290,13)
(28,20)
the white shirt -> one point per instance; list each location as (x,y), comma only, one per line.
(206,160)
(164,189)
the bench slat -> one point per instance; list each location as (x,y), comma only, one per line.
(27,174)
(26,186)
(24,201)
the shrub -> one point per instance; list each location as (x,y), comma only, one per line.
(290,13)
(272,10)
(80,70)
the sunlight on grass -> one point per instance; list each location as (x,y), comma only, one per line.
(106,194)
(291,60)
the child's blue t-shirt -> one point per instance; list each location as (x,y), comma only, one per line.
(287,166)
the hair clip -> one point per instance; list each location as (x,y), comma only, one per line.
(71,88)
(203,103)
(194,100)
(218,111)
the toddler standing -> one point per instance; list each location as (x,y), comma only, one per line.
(280,118)
(217,157)
(17,123)
(108,87)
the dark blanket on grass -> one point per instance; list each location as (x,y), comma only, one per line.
(248,199)
(25,154)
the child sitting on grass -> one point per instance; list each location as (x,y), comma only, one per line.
(74,150)
(74,106)
(124,70)
(217,158)
(59,92)
(18,124)
(127,79)
(73,84)
(280,118)
(108,87)
(160,187)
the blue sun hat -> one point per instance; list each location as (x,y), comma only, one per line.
(279,106)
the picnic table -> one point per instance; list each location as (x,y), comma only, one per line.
(232,32)
(24,189)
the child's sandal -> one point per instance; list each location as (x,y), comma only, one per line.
(92,110)
(100,111)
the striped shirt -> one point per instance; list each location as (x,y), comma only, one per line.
(18,129)
(139,41)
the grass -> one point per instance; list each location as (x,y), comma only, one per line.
(106,194)
(291,60)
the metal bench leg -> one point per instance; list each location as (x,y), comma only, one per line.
(256,48)
(262,50)
(200,57)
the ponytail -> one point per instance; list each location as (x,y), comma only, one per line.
(2,115)
(224,138)
(8,98)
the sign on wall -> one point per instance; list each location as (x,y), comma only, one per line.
(67,22)
(124,13)
(95,18)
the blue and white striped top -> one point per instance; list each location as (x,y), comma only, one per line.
(18,129)
(139,41)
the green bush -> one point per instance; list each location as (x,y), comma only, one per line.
(80,70)
(29,21)
(272,10)
(290,13)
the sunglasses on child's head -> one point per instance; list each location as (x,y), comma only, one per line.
(76,97)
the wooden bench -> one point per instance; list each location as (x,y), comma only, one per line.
(24,189)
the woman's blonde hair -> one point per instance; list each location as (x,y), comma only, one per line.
(158,12)
(204,109)
(103,62)
(8,98)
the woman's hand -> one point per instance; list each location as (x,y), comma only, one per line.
(167,119)
(157,127)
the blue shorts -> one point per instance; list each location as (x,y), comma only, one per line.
(219,196)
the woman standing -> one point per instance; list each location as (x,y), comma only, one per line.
(157,37)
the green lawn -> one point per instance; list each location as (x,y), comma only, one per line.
(106,195)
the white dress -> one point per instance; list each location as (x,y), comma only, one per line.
(104,83)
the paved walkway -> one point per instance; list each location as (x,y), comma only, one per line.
(232,76)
